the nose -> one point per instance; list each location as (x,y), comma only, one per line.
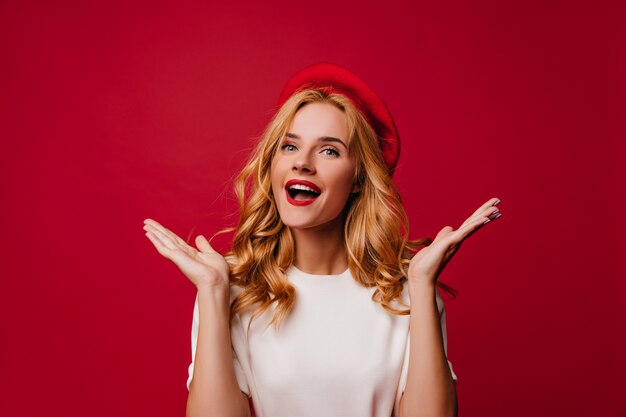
(303,165)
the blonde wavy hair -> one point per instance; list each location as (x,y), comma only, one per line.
(375,225)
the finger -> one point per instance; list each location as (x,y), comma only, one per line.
(482,212)
(166,231)
(163,238)
(445,230)
(492,216)
(490,203)
(177,256)
(160,247)
(470,228)
(203,244)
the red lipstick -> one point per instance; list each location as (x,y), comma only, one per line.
(309,184)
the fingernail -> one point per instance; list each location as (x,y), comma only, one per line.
(494,215)
(486,221)
(496,202)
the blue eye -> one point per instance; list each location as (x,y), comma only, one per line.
(288,147)
(332,151)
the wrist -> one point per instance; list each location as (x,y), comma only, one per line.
(215,293)
(422,285)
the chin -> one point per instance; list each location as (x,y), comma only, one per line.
(293,222)
(299,218)
(297,223)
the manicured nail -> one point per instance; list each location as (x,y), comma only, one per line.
(496,203)
(499,214)
(486,221)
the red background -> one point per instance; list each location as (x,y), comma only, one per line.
(112,112)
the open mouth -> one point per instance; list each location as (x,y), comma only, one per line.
(301,193)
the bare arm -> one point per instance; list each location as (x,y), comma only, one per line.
(214,390)
(430,389)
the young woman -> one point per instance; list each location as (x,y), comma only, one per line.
(323,307)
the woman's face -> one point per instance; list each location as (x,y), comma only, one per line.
(312,173)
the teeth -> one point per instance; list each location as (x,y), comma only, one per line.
(302,187)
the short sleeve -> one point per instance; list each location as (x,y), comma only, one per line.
(405,364)
(239,372)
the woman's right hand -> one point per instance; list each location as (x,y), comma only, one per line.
(205,268)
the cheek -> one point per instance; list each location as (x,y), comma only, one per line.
(278,166)
(277,175)
(346,181)
(274,170)
(275,187)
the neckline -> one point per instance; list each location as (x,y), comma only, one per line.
(298,272)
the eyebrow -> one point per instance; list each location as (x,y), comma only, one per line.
(321,139)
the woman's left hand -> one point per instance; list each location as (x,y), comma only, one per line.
(427,264)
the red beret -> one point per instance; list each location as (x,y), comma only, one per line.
(336,79)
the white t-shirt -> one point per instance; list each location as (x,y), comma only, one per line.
(338,353)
